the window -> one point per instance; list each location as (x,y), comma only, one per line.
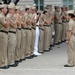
(68,3)
(15,1)
(39,4)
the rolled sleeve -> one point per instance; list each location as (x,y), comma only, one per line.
(70,26)
(2,21)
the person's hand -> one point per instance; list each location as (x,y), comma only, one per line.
(51,17)
(41,24)
(34,23)
(10,15)
(67,42)
(17,16)
(18,23)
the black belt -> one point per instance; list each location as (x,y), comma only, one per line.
(64,21)
(41,29)
(12,32)
(47,25)
(4,31)
(23,28)
(28,28)
(34,28)
(58,23)
(37,25)
(19,28)
(67,21)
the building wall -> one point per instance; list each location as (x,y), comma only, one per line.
(25,2)
(30,2)
(74,4)
(52,2)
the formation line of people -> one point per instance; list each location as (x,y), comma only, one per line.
(27,32)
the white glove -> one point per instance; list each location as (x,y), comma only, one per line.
(53,33)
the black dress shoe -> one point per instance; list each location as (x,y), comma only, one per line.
(33,56)
(63,41)
(23,59)
(51,45)
(17,61)
(50,48)
(5,67)
(14,65)
(41,52)
(46,50)
(67,65)
(59,43)
(20,60)
(29,57)
(56,43)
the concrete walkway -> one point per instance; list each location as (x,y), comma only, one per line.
(50,63)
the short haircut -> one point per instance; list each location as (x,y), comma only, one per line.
(26,9)
(44,12)
(56,7)
(72,15)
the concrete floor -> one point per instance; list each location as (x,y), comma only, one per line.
(50,63)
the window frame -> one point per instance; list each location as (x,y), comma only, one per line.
(68,5)
(39,5)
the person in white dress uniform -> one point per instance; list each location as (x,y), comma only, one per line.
(37,34)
